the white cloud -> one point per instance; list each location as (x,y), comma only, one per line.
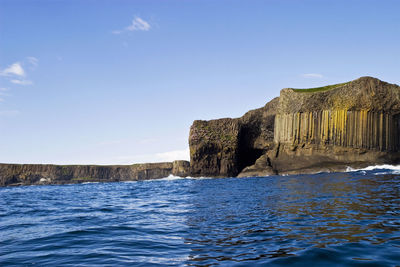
(3,89)
(138,24)
(173,155)
(21,82)
(16,74)
(157,157)
(14,70)
(33,61)
(313,75)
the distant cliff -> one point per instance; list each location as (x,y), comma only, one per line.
(28,174)
(304,130)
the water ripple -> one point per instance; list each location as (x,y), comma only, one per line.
(325,219)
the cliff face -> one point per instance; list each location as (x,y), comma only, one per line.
(224,147)
(27,174)
(321,129)
(356,129)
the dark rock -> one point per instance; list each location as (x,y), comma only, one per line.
(180,168)
(224,147)
(262,167)
(214,147)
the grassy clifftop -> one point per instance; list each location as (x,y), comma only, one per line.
(365,93)
(319,89)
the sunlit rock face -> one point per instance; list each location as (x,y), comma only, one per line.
(357,129)
(307,130)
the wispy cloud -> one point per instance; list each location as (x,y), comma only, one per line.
(138,24)
(34,62)
(21,82)
(14,69)
(16,74)
(157,157)
(173,155)
(312,75)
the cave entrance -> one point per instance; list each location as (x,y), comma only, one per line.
(247,153)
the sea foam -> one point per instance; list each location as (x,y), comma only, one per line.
(390,169)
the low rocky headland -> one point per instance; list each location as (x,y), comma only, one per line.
(36,174)
(353,124)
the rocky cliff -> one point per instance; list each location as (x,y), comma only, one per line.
(224,147)
(28,174)
(304,130)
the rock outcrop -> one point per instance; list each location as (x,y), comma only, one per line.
(28,174)
(303,131)
(221,148)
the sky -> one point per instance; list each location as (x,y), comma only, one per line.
(120,82)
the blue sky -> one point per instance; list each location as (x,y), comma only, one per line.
(119,82)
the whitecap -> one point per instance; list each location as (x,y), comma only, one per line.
(393,169)
(171,178)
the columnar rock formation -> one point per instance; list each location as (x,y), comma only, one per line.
(357,129)
(306,130)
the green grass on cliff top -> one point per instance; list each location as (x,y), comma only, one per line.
(319,89)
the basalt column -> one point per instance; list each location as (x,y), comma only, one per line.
(356,129)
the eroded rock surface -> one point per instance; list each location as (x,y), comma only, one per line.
(221,148)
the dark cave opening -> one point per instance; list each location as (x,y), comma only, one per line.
(247,153)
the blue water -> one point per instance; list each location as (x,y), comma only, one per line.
(329,219)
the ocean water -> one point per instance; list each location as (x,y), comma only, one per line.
(326,219)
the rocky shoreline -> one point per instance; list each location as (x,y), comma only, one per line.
(41,174)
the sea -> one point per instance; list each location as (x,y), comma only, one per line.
(325,219)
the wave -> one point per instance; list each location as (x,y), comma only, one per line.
(387,168)
(171,178)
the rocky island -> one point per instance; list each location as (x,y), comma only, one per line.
(352,124)
(331,128)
